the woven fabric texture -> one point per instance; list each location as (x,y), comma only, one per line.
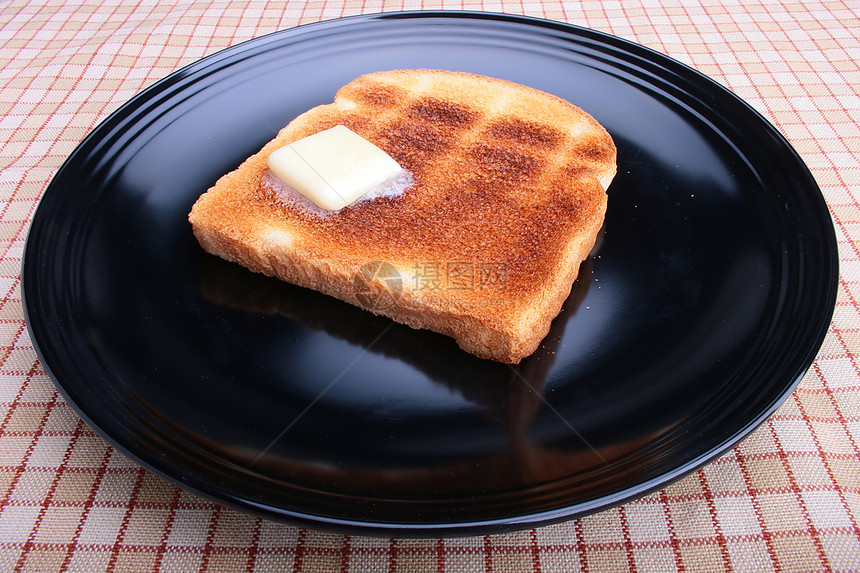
(786,499)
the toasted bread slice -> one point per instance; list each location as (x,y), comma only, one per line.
(506,199)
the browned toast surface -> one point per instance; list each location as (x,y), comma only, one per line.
(507,198)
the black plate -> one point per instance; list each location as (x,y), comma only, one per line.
(708,299)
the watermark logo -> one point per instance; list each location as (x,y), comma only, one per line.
(367,289)
(460,276)
(379,286)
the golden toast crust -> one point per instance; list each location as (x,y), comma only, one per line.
(507,200)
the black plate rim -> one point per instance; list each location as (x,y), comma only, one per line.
(379,528)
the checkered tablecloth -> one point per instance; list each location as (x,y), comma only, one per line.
(786,499)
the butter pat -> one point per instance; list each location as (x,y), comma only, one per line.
(333,168)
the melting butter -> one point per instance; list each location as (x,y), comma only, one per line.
(333,168)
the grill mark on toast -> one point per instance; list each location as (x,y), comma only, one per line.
(596,150)
(443,112)
(413,145)
(595,153)
(521,131)
(378,95)
(356,124)
(579,171)
(505,166)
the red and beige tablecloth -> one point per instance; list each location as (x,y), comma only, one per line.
(786,499)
